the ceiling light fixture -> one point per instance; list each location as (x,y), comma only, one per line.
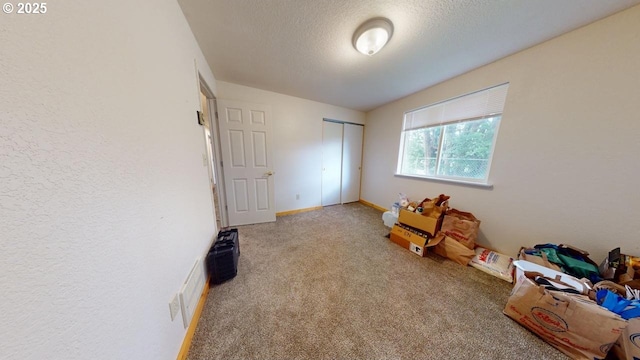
(373,35)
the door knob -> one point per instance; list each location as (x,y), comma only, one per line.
(268,173)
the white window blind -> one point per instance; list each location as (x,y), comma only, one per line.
(481,104)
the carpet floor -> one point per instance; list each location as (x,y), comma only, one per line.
(328,284)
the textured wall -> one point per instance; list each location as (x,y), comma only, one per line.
(104,200)
(565,164)
(297,140)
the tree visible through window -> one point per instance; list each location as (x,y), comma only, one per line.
(460,148)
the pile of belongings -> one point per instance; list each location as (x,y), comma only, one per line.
(584,310)
(449,232)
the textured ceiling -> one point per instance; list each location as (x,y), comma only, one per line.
(303,47)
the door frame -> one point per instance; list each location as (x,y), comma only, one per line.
(349,145)
(215,155)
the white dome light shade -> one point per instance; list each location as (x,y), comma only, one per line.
(372,40)
(372,36)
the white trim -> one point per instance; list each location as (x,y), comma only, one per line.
(448,180)
(216,156)
(219,166)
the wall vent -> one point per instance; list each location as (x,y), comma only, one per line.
(191,292)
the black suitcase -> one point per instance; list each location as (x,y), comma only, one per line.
(222,259)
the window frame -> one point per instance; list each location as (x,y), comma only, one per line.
(480,182)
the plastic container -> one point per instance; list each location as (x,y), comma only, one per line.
(389,219)
(395,209)
(522,266)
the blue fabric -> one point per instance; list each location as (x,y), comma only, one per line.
(627,309)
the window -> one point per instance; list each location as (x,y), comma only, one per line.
(453,139)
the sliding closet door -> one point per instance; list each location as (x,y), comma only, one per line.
(351,162)
(331,162)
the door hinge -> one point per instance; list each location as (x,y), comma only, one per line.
(216,114)
(221,164)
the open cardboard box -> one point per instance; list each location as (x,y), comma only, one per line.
(421,222)
(411,241)
(631,276)
(621,268)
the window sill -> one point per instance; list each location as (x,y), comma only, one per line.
(448,181)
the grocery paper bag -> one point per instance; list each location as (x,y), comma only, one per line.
(573,324)
(461,226)
(628,345)
(453,250)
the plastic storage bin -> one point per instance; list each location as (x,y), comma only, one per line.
(523,265)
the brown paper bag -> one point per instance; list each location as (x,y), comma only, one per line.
(461,226)
(573,324)
(453,250)
(539,260)
(628,345)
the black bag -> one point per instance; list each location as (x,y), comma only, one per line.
(222,259)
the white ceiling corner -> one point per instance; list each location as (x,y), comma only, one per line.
(303,48)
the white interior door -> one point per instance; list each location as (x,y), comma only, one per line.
(331,162)
(246,145)
(351,162)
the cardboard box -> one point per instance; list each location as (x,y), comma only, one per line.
(574,324)
(411,241)
(628,345)
(631,268)
(421,222)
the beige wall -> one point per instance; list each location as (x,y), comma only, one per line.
(565,168)
(104,200)
(297,139)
